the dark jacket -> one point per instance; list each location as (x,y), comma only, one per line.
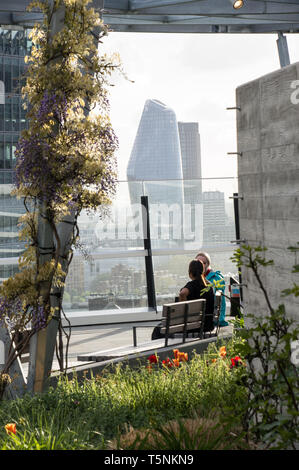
(195,292)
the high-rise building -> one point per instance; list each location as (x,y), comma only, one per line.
(156,160)
(213,208)
(156,150)
(191,161)
(14,45)
(191,165)
(217,227)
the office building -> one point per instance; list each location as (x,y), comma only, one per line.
(191,166)
(14,45)
(218,228)
(191,161)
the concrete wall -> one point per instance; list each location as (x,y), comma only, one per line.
(268,171)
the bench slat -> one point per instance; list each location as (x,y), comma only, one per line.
(180,328)
(175,313)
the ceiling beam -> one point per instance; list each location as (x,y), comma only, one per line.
(256,16)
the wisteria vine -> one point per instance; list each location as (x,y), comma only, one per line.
(65,158)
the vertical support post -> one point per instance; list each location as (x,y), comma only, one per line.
(167,325)
(149,271)
(237,228)
(283,51)
(237,217)
(42,344)
(186,311)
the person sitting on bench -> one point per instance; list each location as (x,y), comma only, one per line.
(193,291)
(214,276)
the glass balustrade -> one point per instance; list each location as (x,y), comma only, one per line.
(108,272)
(186,216)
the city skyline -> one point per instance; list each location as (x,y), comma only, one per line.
(195,74)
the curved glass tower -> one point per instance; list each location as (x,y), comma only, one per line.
(156,152)
(156,160)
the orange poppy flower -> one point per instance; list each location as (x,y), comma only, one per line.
(222,351)
(183,357)
(176,353)
(11,428)
(180,356)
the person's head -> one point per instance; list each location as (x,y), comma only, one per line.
(205,259)
(196,270)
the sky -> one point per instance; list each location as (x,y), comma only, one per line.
(194,74)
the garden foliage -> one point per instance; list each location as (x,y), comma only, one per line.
(272,379)
(98,412)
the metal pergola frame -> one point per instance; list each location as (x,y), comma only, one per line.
(182,16)
(179,16)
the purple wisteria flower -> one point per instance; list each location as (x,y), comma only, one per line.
(39,318)
(52,104)
(57,176)
(10,311)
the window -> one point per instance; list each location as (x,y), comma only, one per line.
(7,41)
(7,155)
(8,114)
(7,75)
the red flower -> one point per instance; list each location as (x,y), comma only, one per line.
(153,359)
(167,363)
(236,361)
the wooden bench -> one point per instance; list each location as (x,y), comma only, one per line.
(177,314)
(177,318)
(183,317)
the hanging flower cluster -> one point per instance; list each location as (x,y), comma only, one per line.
(66,156)
(16,315)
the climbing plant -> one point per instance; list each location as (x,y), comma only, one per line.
(65,159)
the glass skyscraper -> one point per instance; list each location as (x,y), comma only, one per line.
(156,150)
(14,45)
(156,160)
